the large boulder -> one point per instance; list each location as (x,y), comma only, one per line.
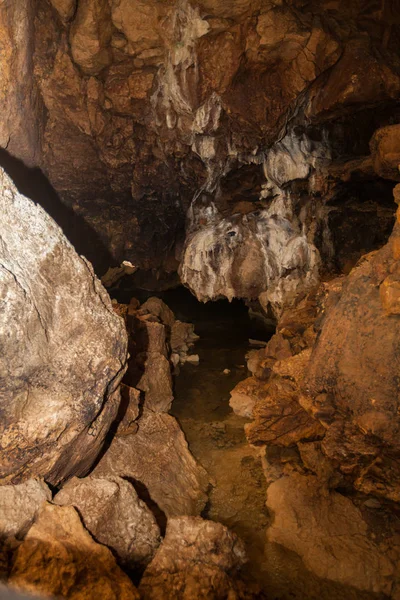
(330,534)
(62,348)
(112,512)
(157,458)
(197,559)
(353,374)
(58,558)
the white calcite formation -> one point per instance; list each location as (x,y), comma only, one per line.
(245,256)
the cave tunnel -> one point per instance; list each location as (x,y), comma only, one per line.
(200,299)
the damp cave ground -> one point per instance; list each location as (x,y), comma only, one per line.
(216,438)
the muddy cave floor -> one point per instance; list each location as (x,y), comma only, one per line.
(216,438)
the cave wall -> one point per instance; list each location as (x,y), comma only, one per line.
(228,140)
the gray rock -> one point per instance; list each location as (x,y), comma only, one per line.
(158,457)
(115,516)
(197,559)
(19,505)
(62,348)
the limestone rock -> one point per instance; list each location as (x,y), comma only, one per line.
(130,405)
(245,256)
(90,36)
(159,309)
(278,417)
(182,338)
(197,559)
(352,373)
(337,545)
(244,397)
(140,21)
(19,505)
(157,456)
(114,515)
(65,8)
(59,558)
(156,383)
(385,150)
(61,362)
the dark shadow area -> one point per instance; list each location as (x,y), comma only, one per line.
(32,183)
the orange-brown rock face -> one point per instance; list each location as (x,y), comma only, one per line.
(327,385)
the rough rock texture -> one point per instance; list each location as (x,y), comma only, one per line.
(323,399)
(112,512)
(19,505)
(197,559)
(337,545)
(353,371)
(157,457)
(184,121)
(59,558)
(63,350)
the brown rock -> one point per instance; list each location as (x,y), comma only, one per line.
(19,505)
(158,457)
(130,401)
(336,546)
(245,395)
(156,383)
(385,150)
(140,22)
(59,558)
(65,8)
(114,515)
(158,308)
(62,362)
(353,366)
(90,36)
(279,419)
(197,559)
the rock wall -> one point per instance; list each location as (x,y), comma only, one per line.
(166,126)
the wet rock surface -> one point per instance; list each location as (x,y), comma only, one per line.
(338,545)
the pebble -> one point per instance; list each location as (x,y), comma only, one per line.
(226,371)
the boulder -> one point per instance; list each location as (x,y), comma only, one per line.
(59,558)
(114,515)
(197,559)
(158,308)
(158,457)
(352,382)
(19,505)
(63,350)
(156,383)
(337,545)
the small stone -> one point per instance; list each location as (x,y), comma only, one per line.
(226,371)
(372,503)
(194,359)
(257,343)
